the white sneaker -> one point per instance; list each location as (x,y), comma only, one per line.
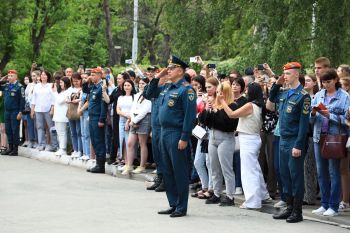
(330,213)
(238,191)
(319,211)
(343,206)
(280,204)
(75,154)
(59,152)
(85,157)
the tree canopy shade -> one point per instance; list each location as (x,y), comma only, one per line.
(232,33)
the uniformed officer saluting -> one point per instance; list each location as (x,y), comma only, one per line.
(294,112)
(177,114)
(14,105)
(97,118)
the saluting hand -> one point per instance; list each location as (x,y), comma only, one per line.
(296,153)
(182,145)
(162,73)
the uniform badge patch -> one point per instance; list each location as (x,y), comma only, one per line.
(289,109)
(12,94)
(190,94)
(93,97)
(171,103)
(306,107)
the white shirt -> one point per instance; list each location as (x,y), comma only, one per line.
(72,90)
(140,109)
(252,123)
(43,97)
(29,92)
(61,107)
(125,103)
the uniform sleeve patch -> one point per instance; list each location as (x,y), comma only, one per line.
(306,106)
(190,94)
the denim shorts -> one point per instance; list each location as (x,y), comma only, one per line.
(144,126)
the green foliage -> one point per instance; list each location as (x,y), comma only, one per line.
(234,34)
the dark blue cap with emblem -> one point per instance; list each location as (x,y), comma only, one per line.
(175,61)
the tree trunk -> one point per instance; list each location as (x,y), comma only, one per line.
(166,50)
(5,59)
(109,37)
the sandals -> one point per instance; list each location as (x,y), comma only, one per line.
(198,194)
(206,195)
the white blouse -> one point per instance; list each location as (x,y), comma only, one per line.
(43,97)
(61,107)
(125,103)
(140,109)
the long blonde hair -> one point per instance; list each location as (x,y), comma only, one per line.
(225,88)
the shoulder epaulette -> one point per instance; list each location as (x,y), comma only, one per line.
(303,92)
(185,84)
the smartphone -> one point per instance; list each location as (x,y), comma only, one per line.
(104,82)
(261,67)
(211,66)
(129,61)
(193,59)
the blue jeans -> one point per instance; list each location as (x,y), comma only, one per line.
(108,138)
(329,179)
(75,130)
(237,168)
(41,119)
(200,161)
(85,133)
(123,136)
(31,129)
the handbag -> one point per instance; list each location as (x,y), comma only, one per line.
(72,112)
(199,132)
(333,146)
(27,108)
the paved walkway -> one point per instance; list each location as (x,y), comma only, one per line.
(40,196)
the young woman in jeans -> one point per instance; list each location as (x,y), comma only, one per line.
(140,127)
(249,127)
(201,159)
(73,97)
(42,108)
(59,116)
(331,121)
(221,144)
(84,121)
(123,110)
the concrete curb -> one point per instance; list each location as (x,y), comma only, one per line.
(342,221)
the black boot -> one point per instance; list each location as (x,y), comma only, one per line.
(9,150)
(14,152)
(157,181)
(161,187)
(286,212)
(99,167)
(297,215)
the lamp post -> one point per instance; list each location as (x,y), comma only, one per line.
(134,39)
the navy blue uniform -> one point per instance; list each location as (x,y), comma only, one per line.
(177,115)
(294,113)
(97,113)
(156,129)
(14,103)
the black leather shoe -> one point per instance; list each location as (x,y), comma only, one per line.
(226,201)
(177,214)
(153,186)
(160,188)
(14,152)
(213,200)
(168,211)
